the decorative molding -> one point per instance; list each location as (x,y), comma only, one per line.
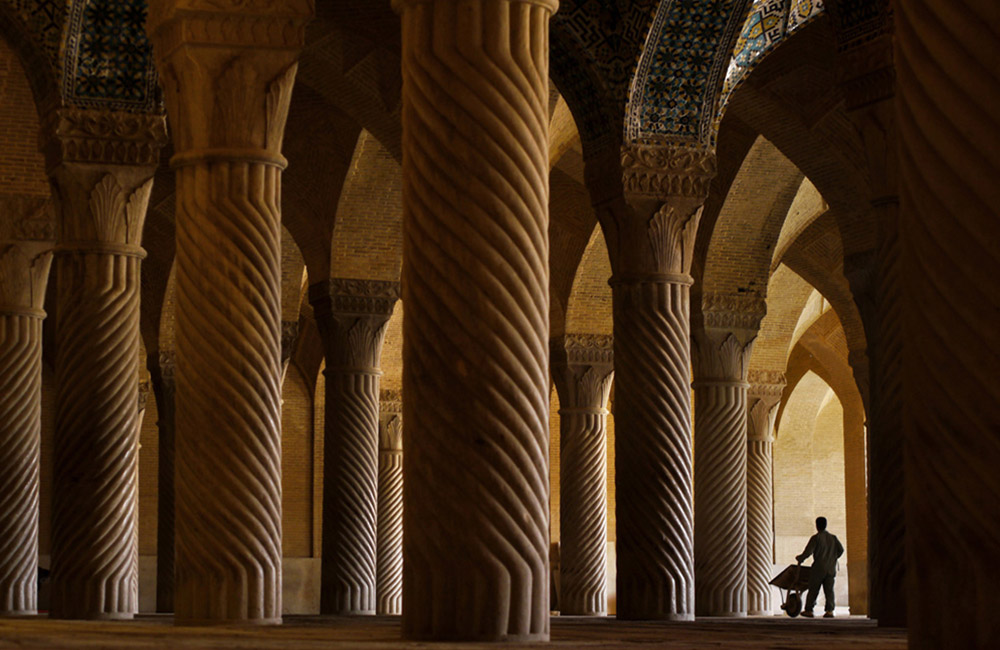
(729,311)
(353,296)
(766,382)
(27,218)
(584,348)
(720,356)
(666,170)
(78,135)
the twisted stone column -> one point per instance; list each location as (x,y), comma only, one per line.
(227,73)
(869,89)
(650,222)
(352,316)
(162,373)
(100,166)
(475,283)
(582,367)
(24,272)
(763,398)
(389,564)
(947,91)
(721,349)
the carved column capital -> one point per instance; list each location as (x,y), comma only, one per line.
(390,402)
(352,316)
(662,171)
(26,231)
(233,63)
(390,432)
(98,137)
(582,368)
(866,71)
(763,397)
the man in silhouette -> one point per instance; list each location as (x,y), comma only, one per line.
(825,549)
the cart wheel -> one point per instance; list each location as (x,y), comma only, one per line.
(793,605)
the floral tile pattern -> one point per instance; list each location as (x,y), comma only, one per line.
(681,69)
(108,60)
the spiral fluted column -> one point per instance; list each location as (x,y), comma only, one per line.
(475,283)
(722,346)
(389,562)
(583,367)
(869,90)
(227,74)
(100,167)
(947,91)
(24,271)
(762,400)
(648,199)
(163,369)
(352,316)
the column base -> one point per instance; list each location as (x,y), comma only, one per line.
(655,617)
(461,638)
(723,615)
(19,613)
(761,612)
(100,616)
(220,622)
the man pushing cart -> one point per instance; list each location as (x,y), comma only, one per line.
(825,549)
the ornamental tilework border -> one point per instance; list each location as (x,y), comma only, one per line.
(108,60)
(674,96)
(769,23)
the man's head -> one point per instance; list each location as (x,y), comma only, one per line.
(821,523)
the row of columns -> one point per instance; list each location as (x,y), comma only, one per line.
(475,348)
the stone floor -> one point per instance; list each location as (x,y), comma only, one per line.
(383,632)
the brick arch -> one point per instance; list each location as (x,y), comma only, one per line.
(589,309)
(37,45)
(572,223)
(787,294)
(743,237)
(352,60)
(319,144)
(368,233)
(792,99)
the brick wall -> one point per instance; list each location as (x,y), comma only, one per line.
(22,168)
(297,457)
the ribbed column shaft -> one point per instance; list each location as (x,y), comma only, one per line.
(352,316)
(227,76)
(886,517)
(164,388)
(653,450)
(760,526)
(583,462)
(720,487)
(583,367)
(389,578)
(947,91)
(20,435)
(228,410)
(763,398)
(350,493)
(95,556)
(475,283)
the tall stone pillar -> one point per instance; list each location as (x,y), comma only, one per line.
(162,373)
(475,283)
(763,398)
(582,367)
(869,88)
(101,166)
(389,564)
(722,345)
(352,316)
(947,91)
(227,72)
(650,222)
(24,272)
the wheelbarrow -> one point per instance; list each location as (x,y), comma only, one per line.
(792,581)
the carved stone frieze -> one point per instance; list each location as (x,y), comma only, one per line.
(26,218)
(353,296)
(77,135)
(766,382)
(390,401)
(720,356)
(582,367)
(667,170)
(730,311)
